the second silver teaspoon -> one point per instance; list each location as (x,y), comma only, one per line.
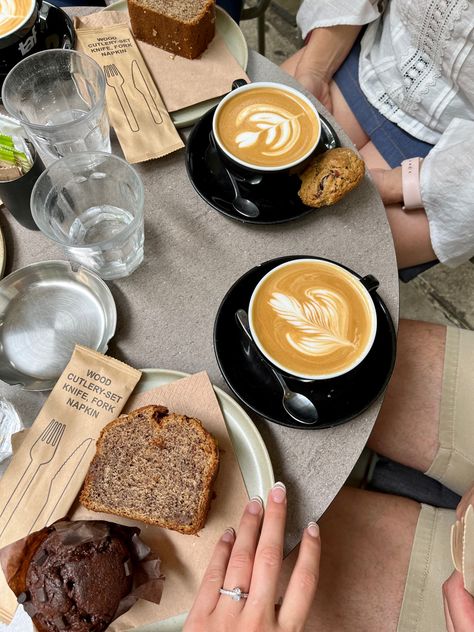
(297,405)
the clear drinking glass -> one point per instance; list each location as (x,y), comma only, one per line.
(59,97)
(92,205)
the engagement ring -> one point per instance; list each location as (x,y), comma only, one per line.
(235,593)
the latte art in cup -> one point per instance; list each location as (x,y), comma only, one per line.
(312,318)
(266,126)
(13,14)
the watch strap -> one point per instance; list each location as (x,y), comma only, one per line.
(411,183)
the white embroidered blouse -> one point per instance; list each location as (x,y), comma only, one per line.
(417,68)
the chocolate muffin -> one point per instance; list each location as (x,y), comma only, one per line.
(78,575)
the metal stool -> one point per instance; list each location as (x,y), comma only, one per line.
(257,11)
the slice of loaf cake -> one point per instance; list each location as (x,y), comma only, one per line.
(183,27)
(154,466)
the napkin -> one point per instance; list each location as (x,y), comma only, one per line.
(184,557)
(181,82)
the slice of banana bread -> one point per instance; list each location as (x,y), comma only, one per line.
(154,466)
(183,27)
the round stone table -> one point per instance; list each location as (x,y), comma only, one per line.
(193,254)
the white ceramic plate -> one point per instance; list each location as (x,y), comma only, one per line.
(249,449)
(236,43)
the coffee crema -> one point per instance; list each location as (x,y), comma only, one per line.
(13,13)
(267,127)
(313,318)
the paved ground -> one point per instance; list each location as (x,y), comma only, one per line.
(440,295)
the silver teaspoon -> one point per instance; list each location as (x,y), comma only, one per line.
(242,205)
(298,406)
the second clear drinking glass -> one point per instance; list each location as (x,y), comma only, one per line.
(92,204)
(59,97)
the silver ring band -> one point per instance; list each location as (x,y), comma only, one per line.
(236,593)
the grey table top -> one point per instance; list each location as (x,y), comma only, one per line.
(166,309)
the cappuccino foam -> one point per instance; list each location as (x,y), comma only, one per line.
(267,127)
(13,13)
(312,318)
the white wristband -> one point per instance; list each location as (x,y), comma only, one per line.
(411,183)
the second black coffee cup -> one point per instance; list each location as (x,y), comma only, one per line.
(19,33)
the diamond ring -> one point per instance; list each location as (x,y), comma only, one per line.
(236,593)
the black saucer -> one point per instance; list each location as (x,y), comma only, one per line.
(338,400)
(276,196)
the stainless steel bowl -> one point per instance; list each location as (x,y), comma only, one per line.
(45,309)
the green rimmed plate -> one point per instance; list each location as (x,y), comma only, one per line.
(250,451)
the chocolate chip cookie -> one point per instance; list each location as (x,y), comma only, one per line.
(330,176)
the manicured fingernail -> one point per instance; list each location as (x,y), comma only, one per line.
(278,492)
(255,505)
(229,535)
(313,529)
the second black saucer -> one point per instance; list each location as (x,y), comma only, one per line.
(276,196)
(337,400)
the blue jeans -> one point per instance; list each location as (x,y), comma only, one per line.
(392,141)
(233,8)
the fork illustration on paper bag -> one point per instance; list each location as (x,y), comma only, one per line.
(41,453)
(115,80)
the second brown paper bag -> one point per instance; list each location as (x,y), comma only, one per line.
(47,470)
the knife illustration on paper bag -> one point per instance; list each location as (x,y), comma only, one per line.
(142,87)
(59,484)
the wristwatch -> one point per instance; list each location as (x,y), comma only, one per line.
(411,183)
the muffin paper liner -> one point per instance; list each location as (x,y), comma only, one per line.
(144,564)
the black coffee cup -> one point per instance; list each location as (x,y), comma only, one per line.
(24,40)
(246,170)
(16,194)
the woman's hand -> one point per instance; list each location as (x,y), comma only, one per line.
(458,605)
(251,560)
(315,83)
(389,184)
(310,75)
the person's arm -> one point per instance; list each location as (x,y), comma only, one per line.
(447,191)
(326,49)
(389,184)
(324,52)
(330,28)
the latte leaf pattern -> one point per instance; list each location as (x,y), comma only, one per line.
(319,325)
(12,14)
(277,129)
